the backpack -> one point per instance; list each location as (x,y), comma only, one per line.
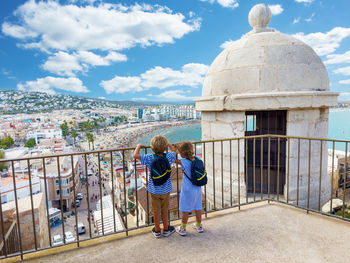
(198,172)
(160,169)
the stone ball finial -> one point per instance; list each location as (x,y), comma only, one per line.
(259,16)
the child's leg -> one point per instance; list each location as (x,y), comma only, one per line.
(157,221)
(165,219)
(184,219)
(165,209)
(198,217)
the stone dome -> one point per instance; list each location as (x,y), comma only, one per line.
(265,61)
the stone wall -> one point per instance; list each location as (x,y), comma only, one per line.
(26,220)
(308,123)
(223,125)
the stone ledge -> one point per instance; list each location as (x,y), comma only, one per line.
(268,101)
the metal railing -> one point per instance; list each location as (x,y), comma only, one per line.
(296,171)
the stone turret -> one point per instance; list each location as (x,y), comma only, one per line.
(279,83)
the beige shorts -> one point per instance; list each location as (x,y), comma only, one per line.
(160,203)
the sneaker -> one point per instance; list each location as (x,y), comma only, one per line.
(180,231)
(168,232)
(156,234)
(198,228)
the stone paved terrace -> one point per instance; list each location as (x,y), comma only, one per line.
(260,232)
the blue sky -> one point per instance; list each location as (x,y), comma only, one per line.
(150,50)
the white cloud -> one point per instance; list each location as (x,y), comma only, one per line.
(345,81)
(296,20)
(304,1)
(75,34)
(101,98)
(276,9)
(65,64)
(310,18)
(174,95)
(338,58)
(48,84)
(121,84)
(48,25)
(343,71)
(191,75)
(224,3)
(226,44)
(325,43)
(158,77)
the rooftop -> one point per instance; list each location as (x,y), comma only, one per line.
(259,232)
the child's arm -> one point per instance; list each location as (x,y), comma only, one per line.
(172,148)
(177,161)
(137,151)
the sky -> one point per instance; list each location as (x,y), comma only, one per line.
(151,50)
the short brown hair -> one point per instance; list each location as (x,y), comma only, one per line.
(186,149)
(159,144)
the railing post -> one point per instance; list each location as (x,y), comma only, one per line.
(61,201)
(87,194)
(17,211)
(31,202)
(101,195)
(239,176)
(309,178)
(113,198)
(231,172)
(268,169)
(75,198)
(345,175)
(126,211)
(47,205)
(320,182)
(298,176)
(213,155)
(288,170)
(332,183)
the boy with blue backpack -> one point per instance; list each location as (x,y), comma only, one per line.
(159,180)
(195,176)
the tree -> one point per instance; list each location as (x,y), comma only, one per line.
(74,134)
(30,143)
(65,129)
(3,165)
(6,142)
(90,138)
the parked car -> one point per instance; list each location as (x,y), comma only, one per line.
(79,196)
(81,228)
(69,237)
(57,240)
(77,203)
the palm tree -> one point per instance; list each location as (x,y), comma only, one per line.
(90,138)
(74,134)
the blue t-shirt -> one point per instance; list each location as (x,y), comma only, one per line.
(146,159)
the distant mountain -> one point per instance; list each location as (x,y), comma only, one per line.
(15,101)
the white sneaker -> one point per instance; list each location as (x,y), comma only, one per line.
(198,228)
(180,231)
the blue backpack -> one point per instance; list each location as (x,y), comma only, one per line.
(198,172)
(160,169)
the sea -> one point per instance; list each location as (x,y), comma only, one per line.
(338,128)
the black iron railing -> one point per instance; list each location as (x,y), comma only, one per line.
(297,171)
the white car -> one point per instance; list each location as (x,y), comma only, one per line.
(69,237)
(57,240)
(79,196)
(81,228)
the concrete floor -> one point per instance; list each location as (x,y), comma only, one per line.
(258,233)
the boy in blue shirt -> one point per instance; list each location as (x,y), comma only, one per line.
(159,193)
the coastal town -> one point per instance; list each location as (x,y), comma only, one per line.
(84,184)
